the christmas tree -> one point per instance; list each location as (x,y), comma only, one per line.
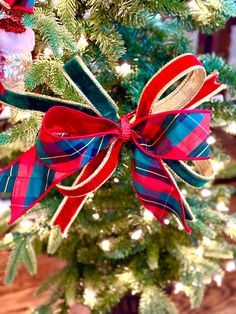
(115,247)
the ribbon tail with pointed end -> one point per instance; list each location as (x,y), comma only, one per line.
(28,180)
(157,190)
(95,174)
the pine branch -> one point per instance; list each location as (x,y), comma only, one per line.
(154,301)
(66,10)
(54,240)
(14,261)
(29,258)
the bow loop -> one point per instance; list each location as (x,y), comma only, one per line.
(176,135)
(69,139)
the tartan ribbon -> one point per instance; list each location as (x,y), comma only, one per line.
(163,132)
(26,6)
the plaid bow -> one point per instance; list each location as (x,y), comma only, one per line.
(71,140)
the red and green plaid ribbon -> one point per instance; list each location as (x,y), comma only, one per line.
(71,140)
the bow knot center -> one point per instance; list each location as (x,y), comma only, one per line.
(125,129)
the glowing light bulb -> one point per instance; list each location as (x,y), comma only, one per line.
(221,207)
(206,192)
(82,43)
(48,52)
(206,241)
(217,165)
(211,140)
(231,225)
(8,238)
(231,128)
(199,251)
(90,297)
(230,266)
(116,180)
(147,215)
(96,216)
(184,192)
(123,69)
(25,225)
(136,235)
(105,245)
(218,279)
(178,287)
(166,221)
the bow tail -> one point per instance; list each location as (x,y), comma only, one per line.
(94,174)
(157,189)
(28,181)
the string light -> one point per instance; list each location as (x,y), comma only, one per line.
(105,245)
(231,128)
(96,216)
(178,287)
(147,215)
(206,192)
(211,140)
(116,180)
(8,238)
(184,192)
(199,251)
(217,165)
(218,279)
(230,266)
(166,221)
(82,42)
(25,225)
(48,52)
(206,241)
(221,207)
(231,225)
(124,69)
(89,297)
(136,235)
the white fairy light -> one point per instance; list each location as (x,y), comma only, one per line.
(48,52)
(206,241)
(178,287)
(55,2)
(231,128)
(8,238)
(206,193)
(147,215)
(211,140)
(217,165)
(199,251)
(166,221)
(231,225)
(82,42)
(116,180)
(86,15)
(105,245)
(230,266)
(218,279)
(221,207)
(136,235)
(184,192)
(96,216)
(90,297)
(25,225)
(21,115)
(124,69)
